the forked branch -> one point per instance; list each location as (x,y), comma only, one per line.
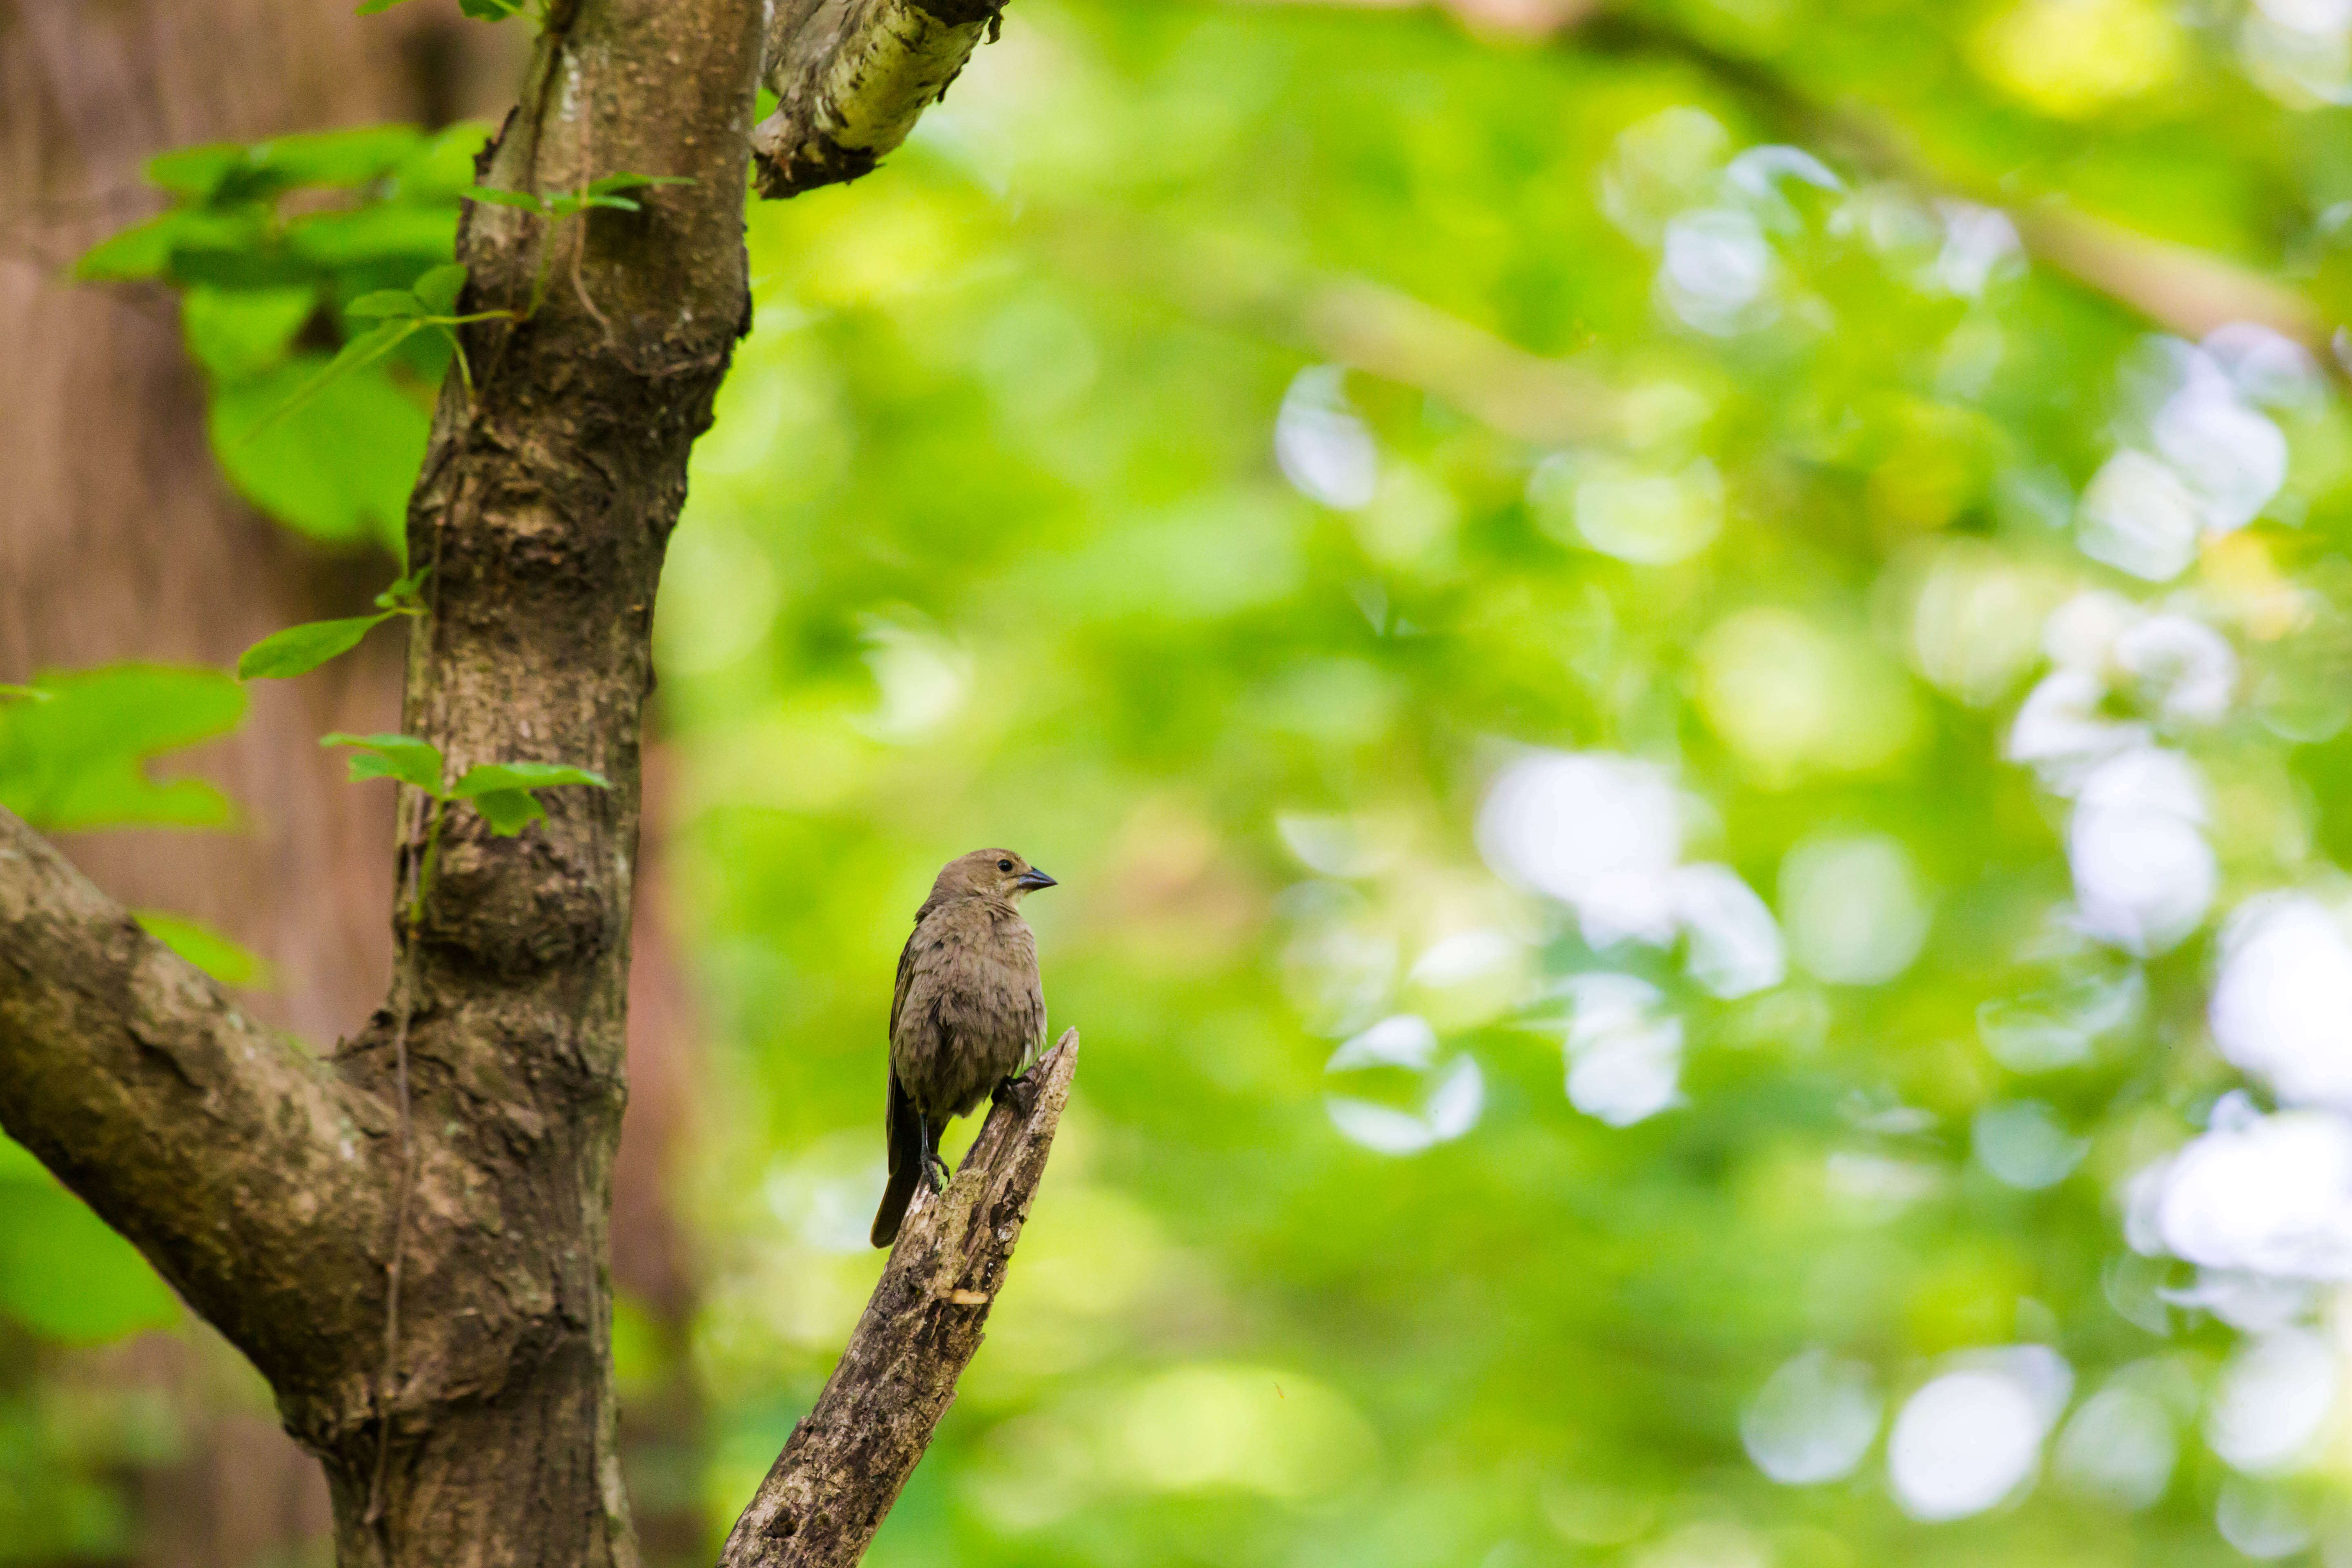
(846,1460)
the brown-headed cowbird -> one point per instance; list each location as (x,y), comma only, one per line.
(967,1010)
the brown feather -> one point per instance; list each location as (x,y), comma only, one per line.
(967,1010)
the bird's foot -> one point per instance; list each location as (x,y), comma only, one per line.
(1020,1089)
(935,1173)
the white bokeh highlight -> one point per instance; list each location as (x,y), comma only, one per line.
(2282,1008)
(2271,1407)
(1604,835)
(2206,463)
(1624,1049)
(1453,1091)
(1980,247)
(2263,1523)
(1323,448)
(2263,1194)
(2145,871)
(2062,1026)
(1972,1438)
(2186,672)
(924,679)
(1813,1419)
(2144,874)
(1717,270)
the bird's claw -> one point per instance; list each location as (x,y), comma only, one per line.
(1020,1088)
(935,1173)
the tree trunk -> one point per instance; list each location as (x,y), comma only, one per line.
(119,540)
(122,541)
(543,511)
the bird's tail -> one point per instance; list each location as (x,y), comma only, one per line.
(905,1138)
(895,1199)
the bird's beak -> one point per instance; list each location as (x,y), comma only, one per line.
(1033,878)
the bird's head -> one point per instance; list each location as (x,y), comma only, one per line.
(989,873)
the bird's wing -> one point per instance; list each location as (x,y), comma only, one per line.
(890,1115)
(906,974)
(897,1123)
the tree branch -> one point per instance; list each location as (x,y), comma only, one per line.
(1353,321)
(231,1157)
(846,1460)
(851,77)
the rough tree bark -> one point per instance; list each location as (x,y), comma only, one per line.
(409,1236)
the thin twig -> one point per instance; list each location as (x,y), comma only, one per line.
(387,1384)
(587,177)
(404,1006)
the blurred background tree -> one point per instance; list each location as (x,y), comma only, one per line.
(1686,666)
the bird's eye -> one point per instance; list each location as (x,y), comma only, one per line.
(1004,865)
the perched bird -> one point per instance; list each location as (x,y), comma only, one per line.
(967,1011)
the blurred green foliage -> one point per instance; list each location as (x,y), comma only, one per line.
(74,746)
(75,753)
(269,246)
(1649,704)
(76,749)
(1204,461)
(61,1271)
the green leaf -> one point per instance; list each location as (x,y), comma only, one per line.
(401,757)
(234,246)
(502,792)
(297,650)
(237,333)
(17,1164)
(355,155)
(530,201)
(143,251)
(438,289)
(332,458)
(628,182)
(621,204)
(509,811)
(488,777)
(489,10)
(443,168)
(381,231)
(224,959)
(373,8)
(386,302)
(194,174)
(226,171)
(78,759)
(66,1275)
(368,347)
